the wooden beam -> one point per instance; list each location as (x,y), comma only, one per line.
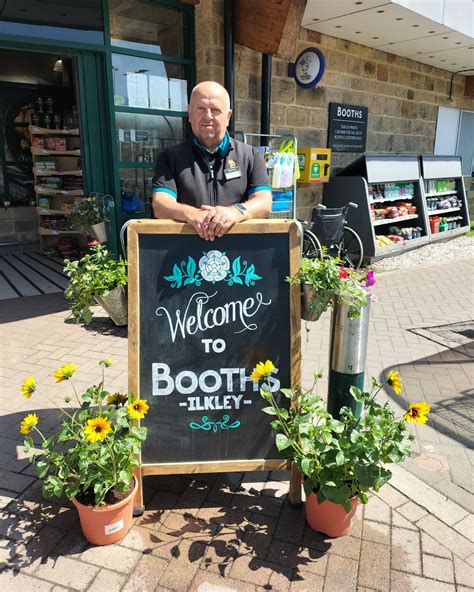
(271,26)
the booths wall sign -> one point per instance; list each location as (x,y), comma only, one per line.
(347,130)
(309,67)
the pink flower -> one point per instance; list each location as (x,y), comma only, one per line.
(369,279)
(92,243)
(343,273)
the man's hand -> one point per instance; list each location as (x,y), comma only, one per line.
(196,218)
(219,220)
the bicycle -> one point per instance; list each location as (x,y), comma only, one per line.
(328,228)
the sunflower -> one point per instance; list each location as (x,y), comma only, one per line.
(97,429)
(138,409)
(262,370)
(417,413)
(116,399)
(28,423)
(65,372)
(395,381)
(28,387)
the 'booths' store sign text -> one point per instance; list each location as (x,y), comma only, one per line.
(347,127)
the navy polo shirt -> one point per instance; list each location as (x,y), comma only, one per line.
(196,177)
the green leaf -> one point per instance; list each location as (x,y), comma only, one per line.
(340,458)
(357,394)
(288,393)
(282,442)
(363,497)
(270,411)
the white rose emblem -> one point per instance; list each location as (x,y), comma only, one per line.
(214,266)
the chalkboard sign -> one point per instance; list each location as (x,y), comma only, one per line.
(347,129)
(201,315)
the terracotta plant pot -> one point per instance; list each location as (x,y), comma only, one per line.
(104,525)
(313,304)
(328,517)
(115,305)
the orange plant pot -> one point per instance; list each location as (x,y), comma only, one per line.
(104,525)
(328,517)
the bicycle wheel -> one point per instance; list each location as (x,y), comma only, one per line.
(311,246)
(351,250)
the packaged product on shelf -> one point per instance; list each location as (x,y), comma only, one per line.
(43,202)
(37,141)
(60,144)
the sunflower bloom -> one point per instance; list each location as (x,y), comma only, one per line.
(65,372)
(28,423)
(138,409)
(97,429)
(395,381)
(28,387)
(116,399)
(417,413)
(262,370)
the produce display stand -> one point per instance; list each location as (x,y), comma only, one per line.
(444,196)
(58,181)
(389,193)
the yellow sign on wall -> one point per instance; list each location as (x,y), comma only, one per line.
(314,164)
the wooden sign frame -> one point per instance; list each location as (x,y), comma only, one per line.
(144,227)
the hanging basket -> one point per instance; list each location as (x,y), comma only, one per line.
(313,303)
(99,232)
(115,305)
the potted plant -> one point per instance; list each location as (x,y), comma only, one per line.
(97,277)
(91,215)
(341,460)
(91,456)
(324,280)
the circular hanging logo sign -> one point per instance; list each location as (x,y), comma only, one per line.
(308,68)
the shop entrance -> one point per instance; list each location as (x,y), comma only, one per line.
(44,163)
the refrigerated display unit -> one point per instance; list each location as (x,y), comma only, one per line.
(391,214)
(444,195)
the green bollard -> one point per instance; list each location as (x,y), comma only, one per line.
(347,358)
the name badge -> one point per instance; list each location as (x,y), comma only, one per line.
(232,171)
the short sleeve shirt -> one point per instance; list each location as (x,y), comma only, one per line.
(195,177)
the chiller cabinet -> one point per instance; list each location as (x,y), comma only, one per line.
(391,214)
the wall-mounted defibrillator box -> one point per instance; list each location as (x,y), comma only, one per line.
(314,164)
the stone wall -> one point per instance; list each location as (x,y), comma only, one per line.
(18,225)
(402,95)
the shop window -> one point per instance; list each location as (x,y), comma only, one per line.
(135,191)
(66,20)
(140,138)
(144,26)
(149,84)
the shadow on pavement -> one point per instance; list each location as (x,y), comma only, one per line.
(102,326)
(19,309)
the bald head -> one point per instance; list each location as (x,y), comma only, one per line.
(210,90)
(209,113)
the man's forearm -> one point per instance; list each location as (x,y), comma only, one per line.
(259,205)
(166,207)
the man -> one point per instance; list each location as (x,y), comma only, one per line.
(211,181)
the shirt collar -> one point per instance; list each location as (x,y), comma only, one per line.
(221,150)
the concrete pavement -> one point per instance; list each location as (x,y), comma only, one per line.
(216,533)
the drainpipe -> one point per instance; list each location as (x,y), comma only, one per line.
(229,58)
(266,96)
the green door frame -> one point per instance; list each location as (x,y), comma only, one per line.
(95,95)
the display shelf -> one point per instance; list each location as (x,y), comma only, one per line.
(447,169)
(59,192)
(43,152)
(54,232)
(60,149)
(374,175)
(381,222)
(446,234)
(406,198)
(76,173)
(440,212)
(51,212)
(44,131)
(441,193)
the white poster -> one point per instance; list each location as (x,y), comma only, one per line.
(137,90)
(178,94)
(158,90)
